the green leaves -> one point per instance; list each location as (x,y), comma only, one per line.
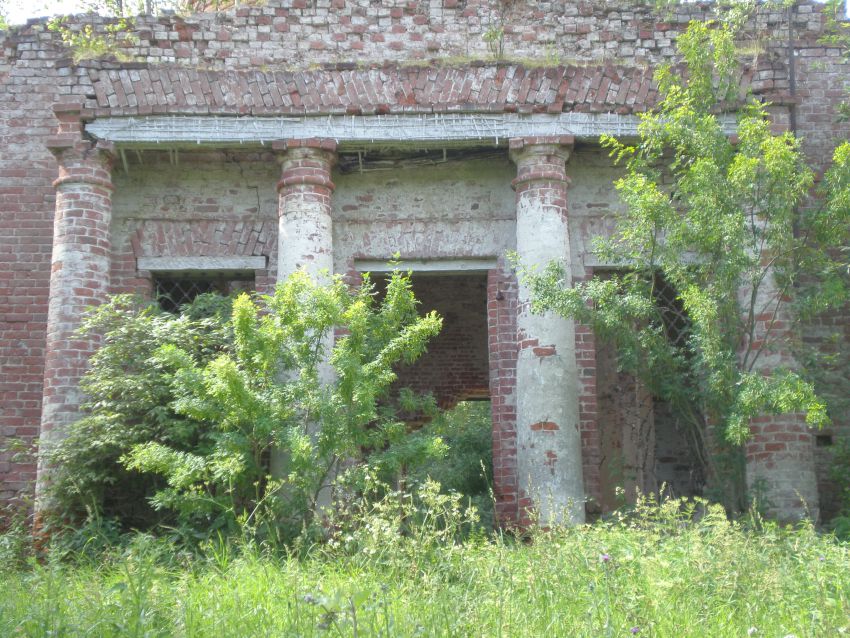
(186,412)
(129,401)
(262,389)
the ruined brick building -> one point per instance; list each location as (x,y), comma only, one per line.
(239,146)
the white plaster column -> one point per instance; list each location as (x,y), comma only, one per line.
(79,278)
(305,227)
(549,459)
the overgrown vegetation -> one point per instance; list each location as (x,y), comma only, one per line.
(729,224)
(466,467)
(187,413)
(130,397)
(661,570)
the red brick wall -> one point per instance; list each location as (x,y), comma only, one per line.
(299,33)
(29,86)
(455,367)
(502,341)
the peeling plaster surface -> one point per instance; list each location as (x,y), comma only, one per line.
(452,210)
(549,468)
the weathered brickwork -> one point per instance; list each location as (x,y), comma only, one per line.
(298,33)
(391,88)
(318,58)
(205,205)
(501,335)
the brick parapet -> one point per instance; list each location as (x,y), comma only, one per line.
(297,33)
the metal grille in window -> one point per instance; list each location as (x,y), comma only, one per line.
(173,292)
(676,320)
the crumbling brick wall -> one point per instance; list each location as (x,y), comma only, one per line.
(320,57)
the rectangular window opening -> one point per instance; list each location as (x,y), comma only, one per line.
(174,291)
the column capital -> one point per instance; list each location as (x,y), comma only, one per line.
(306,162)
(540,159)
(323,143)
(82,161)
(540,144)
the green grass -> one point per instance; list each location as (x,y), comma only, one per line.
(663,576)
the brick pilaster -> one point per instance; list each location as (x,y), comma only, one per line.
(502,346)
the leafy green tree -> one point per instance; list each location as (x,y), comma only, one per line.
(266,393)
(837,34)
(729,223)
(184,411)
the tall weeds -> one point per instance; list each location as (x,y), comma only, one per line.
(404,566)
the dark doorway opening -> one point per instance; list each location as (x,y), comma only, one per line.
(456,371)
(644,445)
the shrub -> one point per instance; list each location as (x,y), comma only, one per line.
(129,401)
(186,413)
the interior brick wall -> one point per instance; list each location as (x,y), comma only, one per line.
(455,367)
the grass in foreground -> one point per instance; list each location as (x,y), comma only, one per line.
(652,574)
